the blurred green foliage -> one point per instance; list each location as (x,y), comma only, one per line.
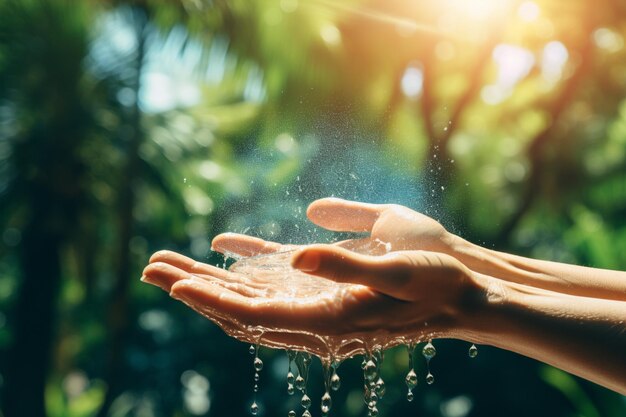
(132,126)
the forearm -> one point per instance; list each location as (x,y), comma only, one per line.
(581,335)
(553,276)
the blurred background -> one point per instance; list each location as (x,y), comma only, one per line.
(132,126)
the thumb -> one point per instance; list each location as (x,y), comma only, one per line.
(390,274)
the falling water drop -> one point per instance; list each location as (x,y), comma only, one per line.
(380,388)
(258,364)
(411,380)
(429,351)
(473,351)
(326,403)
(335,382)
(369,371)
(252,349)
(291,413)
(300,383)
(430,379)
(411,377)
(303,360)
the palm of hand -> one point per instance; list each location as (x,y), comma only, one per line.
(360,294)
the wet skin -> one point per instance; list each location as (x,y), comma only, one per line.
(431,284)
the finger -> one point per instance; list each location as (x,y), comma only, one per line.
(343,215)
(243,245)
(199,269)
(389,274)
(216,300)
(187,264)
(163,275)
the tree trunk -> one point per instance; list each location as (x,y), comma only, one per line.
(29,357)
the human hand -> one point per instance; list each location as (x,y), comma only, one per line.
(392,228)
(427,294)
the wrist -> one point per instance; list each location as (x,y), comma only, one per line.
(479,313)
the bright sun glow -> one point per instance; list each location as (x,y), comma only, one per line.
(476,9)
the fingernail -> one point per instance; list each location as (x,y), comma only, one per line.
(154,281)
(306,261)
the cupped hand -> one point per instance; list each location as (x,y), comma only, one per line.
(391,227)
(383,299)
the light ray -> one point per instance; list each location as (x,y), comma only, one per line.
(402,23)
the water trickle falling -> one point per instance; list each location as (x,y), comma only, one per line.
(258,366)
(291,379)
(372,381)
(326,403)
(411,377)
(473,351)
(429,352)
(303,361)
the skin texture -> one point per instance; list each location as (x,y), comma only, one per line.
(431,282)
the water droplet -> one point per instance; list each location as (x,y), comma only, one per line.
(411,379)
(373,412)
(430,378)
(380,388)
(335,382)
(300,383)
(254,409)
(473,351)
(306,401)
(290,389)
(258,364)
(410,396)
(256,377)
(256,388)
(291,413)
(429,351)
(370,370)
(252,349)
(290,378)
(306,413)
(326,403)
